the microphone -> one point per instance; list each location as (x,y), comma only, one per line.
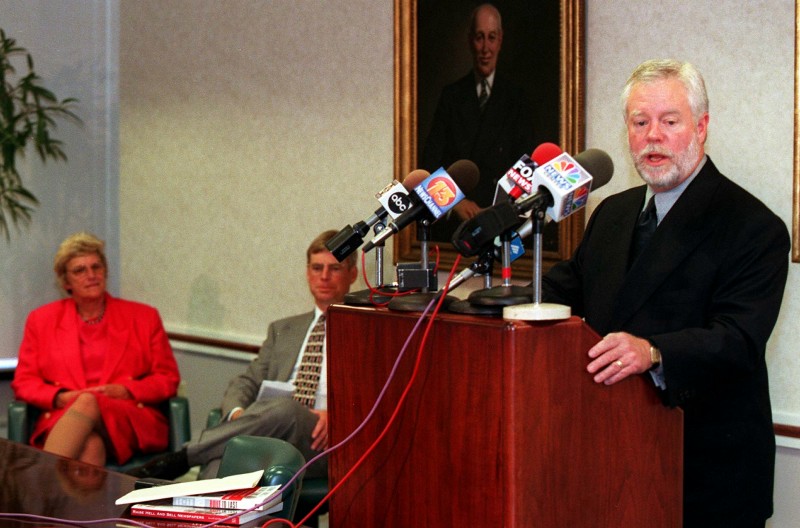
(563,187)
(394,199)
(433,197)
(517,181)
(564,183)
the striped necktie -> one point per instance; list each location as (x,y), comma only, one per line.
(308,373)
(484,95)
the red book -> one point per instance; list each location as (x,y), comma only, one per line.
(176,523)
(166,510)
(242,499)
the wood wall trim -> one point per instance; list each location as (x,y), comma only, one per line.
(212,342)
(790,431)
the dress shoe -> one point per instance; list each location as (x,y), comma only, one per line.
(166,466)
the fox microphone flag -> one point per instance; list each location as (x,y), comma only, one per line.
(517,181)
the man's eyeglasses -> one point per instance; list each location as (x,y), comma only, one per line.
(81,271)
(333,269)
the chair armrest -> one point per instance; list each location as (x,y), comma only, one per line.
(214,418)
(21,418)
(279,459)
(180,427)
(18,426)
(280,474)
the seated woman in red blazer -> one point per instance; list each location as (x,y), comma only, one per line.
(96,365)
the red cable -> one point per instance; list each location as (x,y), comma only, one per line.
(397,407)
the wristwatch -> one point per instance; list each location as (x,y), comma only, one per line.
(655,357)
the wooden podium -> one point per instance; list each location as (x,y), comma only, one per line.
(503,427)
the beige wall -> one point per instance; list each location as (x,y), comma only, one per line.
(74,49)
(242,140)
(746,53)
(246,129)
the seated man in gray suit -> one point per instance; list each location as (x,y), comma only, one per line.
(284,356)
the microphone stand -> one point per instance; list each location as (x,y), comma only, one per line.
(366,297)
(482,266)
(417,302)
(537,311)
(506,294)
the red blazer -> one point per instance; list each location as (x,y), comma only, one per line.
(140,358)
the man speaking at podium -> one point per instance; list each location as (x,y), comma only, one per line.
(294,351)
(684,277)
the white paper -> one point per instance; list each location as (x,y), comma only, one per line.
(275,389)
(232,482)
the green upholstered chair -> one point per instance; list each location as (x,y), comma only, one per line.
(279,459)
(311,493)
(22,417)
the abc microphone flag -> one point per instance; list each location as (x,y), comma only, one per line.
(435,196)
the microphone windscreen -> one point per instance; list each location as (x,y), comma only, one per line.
(597,163)
(414,178)
(545,152)
(465,173)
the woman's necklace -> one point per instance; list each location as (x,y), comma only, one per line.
(95,320)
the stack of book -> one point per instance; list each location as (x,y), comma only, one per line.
(236,507)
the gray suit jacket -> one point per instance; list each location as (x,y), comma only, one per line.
(282,418)
(275,361)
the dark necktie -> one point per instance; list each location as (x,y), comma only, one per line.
(308,373)
(645,227)
(484,95)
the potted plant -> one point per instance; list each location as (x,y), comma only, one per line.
(28,113)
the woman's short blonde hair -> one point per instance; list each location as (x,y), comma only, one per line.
(77,245)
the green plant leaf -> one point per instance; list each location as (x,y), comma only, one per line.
(29,113)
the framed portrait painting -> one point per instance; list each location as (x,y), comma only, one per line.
(541,57)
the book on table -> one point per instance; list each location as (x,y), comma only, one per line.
(196,487)
(164,509)
(242,499)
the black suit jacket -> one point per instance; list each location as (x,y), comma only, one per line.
(493,139)
(707,291)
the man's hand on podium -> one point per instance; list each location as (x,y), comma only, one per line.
(617,356)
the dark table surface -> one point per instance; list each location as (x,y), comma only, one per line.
(36,484)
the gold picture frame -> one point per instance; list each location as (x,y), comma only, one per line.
(571,120)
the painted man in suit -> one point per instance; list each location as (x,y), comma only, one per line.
(693,311)
(279,359)
(482,117)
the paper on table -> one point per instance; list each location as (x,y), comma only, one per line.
(232,482)
(275,389)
